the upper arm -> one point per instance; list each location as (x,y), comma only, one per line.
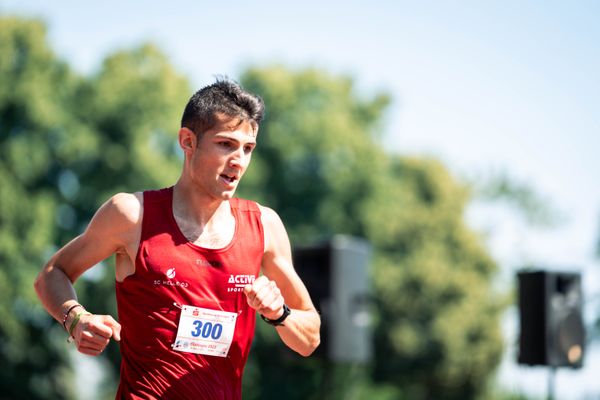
(277,262)
(115,227)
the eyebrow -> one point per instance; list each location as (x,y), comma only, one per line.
(232,138)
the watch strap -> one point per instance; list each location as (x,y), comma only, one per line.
(278,321)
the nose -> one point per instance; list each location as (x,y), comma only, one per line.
(239,158)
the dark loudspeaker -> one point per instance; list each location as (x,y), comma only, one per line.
(550,310)
(336,275)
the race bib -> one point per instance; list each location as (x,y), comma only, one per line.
(205,331)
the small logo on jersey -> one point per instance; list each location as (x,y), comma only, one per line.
(237,282)
(170,273)
(208,263)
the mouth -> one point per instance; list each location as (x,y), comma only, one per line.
(230,179)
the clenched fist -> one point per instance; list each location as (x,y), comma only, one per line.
(265,297)
(93,332)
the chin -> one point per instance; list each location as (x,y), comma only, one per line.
(227,195)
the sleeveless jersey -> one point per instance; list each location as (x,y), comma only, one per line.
(171,273)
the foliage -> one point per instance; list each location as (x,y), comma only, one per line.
(34,94)
(66,144)
(316,159)
(433,280)
(535,209)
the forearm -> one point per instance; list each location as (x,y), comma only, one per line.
(91,333)
(55,291)
(300,331)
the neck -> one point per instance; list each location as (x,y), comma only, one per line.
(197,207)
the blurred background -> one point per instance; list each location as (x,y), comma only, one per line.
(459,140)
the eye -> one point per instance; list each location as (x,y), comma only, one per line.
(225,144)
(248,149)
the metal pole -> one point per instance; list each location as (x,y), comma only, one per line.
(551,377)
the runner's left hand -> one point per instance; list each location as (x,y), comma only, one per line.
(264,296)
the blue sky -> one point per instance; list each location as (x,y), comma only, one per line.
(487,87)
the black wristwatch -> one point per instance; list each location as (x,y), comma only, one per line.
(278,321)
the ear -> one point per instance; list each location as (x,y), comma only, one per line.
(187,140)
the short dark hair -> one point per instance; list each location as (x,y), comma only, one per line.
(225,97)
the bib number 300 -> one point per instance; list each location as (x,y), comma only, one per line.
(205,331)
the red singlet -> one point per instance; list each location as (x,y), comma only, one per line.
(171,272)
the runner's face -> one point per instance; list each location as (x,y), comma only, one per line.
(221,157)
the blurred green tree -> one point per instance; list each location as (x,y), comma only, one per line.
(34,150)
(67,144)
(317,156)
(439,333)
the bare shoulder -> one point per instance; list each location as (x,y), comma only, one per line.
(269,216)
(121,215)
(276,237)
(127,207)
(272,225)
